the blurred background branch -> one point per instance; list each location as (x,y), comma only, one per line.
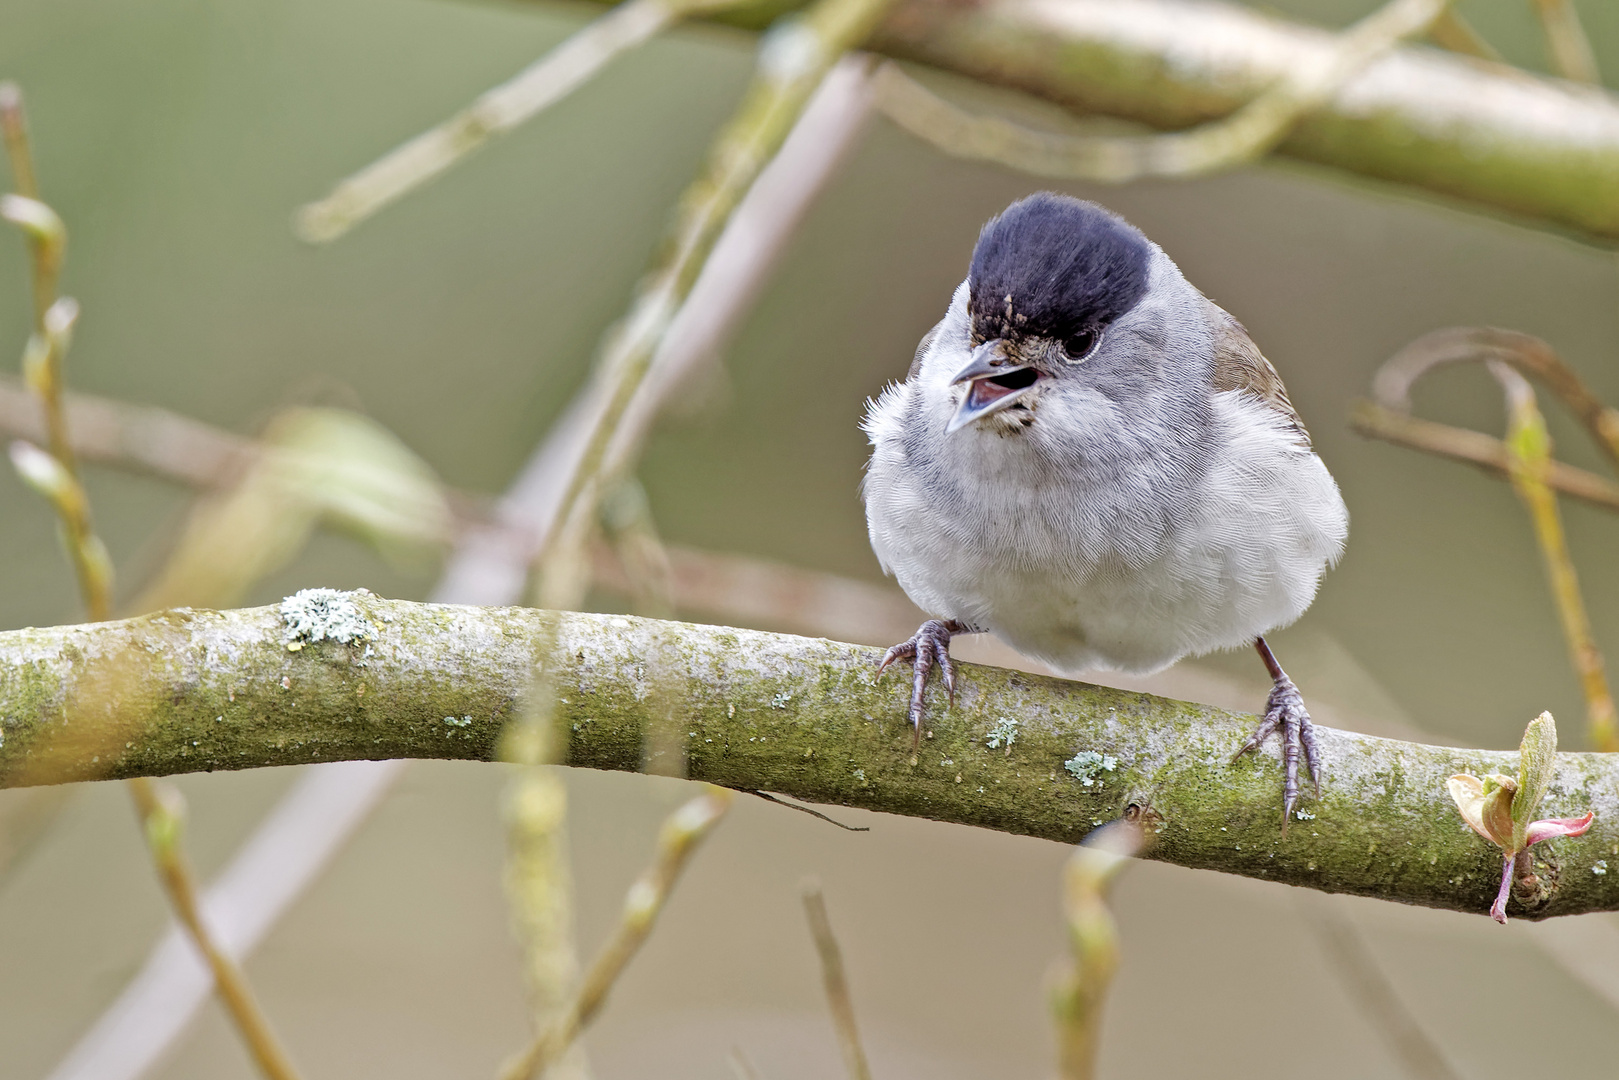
(835,982)
(1081,984)
(682,833)
(1369,988)
(1248,133)
(55,475)
(1496,137)
(1569,48)
(497,111)
(1524,457)
(162,812)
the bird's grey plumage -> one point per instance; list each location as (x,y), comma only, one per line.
(1155,497)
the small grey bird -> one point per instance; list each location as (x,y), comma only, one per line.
(1092,461)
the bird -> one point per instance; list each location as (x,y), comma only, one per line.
(1092,461)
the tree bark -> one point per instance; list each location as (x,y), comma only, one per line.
(194,691)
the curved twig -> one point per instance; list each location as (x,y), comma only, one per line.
(1391,386)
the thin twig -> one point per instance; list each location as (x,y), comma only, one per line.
(741,1065)
(492,562)
(627,521)
(14,131)
(837,985)
(1530,446)
(1352,961)
(1474,448)
(1528,463)
(1451,31)
(24,819)
(287,851)
(1250,132)
(539,891)
(542,84)
(55,475)
(810,810)
(1566,43)
(161,814)
(682,832)
(1391,386)
(794,57)
(136,437)
(1093,940)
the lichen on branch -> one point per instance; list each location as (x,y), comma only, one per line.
(192,690)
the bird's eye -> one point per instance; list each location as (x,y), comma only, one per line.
(1076,347)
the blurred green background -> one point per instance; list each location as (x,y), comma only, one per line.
(177,136)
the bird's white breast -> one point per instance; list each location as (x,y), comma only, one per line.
(1125,567)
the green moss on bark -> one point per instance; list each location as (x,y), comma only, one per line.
(192,691)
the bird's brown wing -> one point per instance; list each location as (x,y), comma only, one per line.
(1239,365)
(922,347)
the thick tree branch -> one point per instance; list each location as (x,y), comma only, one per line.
(190,691)
(1487,134)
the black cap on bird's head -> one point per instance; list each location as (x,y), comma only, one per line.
(1048,275)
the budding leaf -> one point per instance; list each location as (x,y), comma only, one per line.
(1536,762)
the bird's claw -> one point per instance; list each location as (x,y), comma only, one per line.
(930,645)
(1285,710)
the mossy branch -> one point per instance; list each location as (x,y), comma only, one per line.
(192,691)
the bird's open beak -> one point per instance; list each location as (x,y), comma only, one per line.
(994,382)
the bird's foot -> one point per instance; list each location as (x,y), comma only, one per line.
(1285,711)
(930,645)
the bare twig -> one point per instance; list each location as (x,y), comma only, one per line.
(1566,42)
(1391,386)
(24,819)
(1525,456)
(60,486)
(622,401)
(1352,961)
(837,985)
(810,810)
(537,87)
(741,1065)
(272,868)
(627,521)
(682,832)
(54,475)
(161,813)
(1246,134)
(794,58)
(14,132)
(1093,940)
(1451,31)
(138,437)
(1530,446)
(1475,448)
(539,888)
